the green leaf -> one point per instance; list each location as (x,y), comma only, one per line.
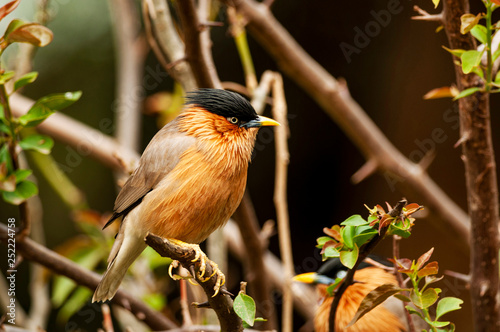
(436,323)
(7,76)
(349,258)
(347,233)
(40,143)
(424,300)
(322,240)
(456,52)
(398,229)
(244,307)
(448,304)
(35,116)
(373,299)
(402,297)
(479,32)
(24,190)
(470,59)
(414,311)
(363,235)
(58,101)
(74,303)
(25,80)
(355,220)
(31,33)
(156,301)
(330,250)
(331,288)
(467,92)
(22,174)
(13,25)
(496,55)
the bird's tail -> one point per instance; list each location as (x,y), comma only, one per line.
(129,250)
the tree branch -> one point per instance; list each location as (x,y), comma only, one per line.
(221,303)
(339,105)
(35,252)
(481,179)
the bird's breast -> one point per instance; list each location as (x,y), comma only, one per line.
(195,198)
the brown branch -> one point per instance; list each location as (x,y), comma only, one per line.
(221,303)
(197,46)
(364,251)
(338,104)
(481,179)
(35,252)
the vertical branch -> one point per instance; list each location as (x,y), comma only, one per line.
(280,200)
(129,50)
(481,179)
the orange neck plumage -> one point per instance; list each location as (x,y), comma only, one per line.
(223,143)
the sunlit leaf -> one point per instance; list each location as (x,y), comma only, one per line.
(330,249)
(448,304)
(414,311)
(7,76)
(436,323)
(424,300)
(373,299)
(24,190)
(25,79)
(430,269)
(355,220)
(40,143)
(349,258)
(479,32)
(322,240)
(334,232)
(436,3)
(455,52)
(470,59)
(424,258)
(36,115)
(244,307)
(467,92)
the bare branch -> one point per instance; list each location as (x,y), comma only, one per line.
(35,252)
(221,303)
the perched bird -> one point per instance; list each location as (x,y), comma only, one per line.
(366,278)
(189,181)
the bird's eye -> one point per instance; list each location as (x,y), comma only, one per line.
(233,120)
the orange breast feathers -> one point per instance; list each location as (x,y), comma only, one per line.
(378,320)
(204,189)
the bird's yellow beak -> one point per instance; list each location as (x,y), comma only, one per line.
(261,121)
(313,278)
(307,278)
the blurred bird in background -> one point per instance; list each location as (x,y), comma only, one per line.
(190,179)
(367,277)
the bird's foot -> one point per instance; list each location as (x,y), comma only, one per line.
(203,259)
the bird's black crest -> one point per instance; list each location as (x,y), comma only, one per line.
(222,102)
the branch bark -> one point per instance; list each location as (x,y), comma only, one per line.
(221,303)
(338,104)
(481,179)
(35,252)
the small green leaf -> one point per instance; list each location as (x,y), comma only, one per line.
(470,59)
(322,240)
(13,25)
(347,233)
(7,76)
(58,101)
(479,32)
(467,92)
(331,288)
(355,220)
(36,115)
(24,190)
(330,250)
(455,52)
(25,80)
(436,323)
(349,258)
(364,236)
(244,307)
(496,55)
(40,143)
(414,311)
(447,304)
(22,174)
(424,300)
(373,299)
(402,297)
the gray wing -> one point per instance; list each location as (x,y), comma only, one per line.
(160,156)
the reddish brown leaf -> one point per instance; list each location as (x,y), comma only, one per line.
(8,8)
(443,92)
(424,258)
(412,208)
(429,269)
(333,232)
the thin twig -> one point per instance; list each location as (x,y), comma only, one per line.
(395,253)
(425,16)
(280,200)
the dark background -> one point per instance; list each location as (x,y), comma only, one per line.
(388,78)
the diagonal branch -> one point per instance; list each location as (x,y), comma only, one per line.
(339,105)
